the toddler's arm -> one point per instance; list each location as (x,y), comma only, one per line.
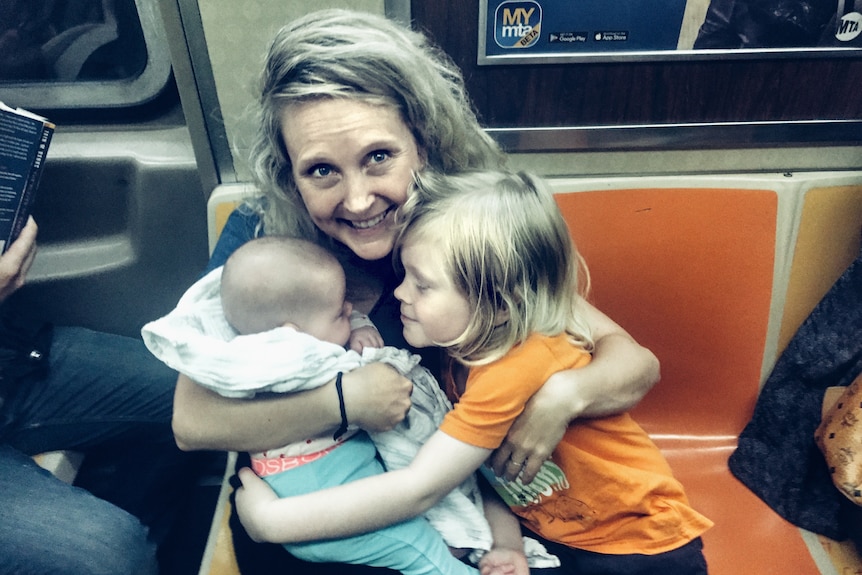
(360,506)
(506,557)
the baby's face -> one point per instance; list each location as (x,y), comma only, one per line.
(332,321)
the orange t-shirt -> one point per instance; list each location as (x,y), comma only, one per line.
(606,488)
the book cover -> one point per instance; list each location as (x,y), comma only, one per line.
(24,141)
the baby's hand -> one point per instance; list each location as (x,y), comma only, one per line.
(254,500)
(363,337)
(504,562)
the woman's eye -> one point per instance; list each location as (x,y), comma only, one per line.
(378,156)
(320,171)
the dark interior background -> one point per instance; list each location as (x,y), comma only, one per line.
(622,93)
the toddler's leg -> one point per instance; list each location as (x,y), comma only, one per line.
(685,560)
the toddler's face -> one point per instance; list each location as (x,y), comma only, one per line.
(433,308)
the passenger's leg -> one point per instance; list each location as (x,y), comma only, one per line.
(107,396)
(49,527)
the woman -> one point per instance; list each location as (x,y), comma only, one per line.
(351,105)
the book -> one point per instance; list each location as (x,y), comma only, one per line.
(24,141)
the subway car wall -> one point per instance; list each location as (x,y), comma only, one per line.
(121,207)
(770,142)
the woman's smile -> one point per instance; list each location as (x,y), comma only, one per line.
(370,222)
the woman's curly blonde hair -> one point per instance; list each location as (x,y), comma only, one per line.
(346,54)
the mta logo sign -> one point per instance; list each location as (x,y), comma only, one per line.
(849,27)
(517,24)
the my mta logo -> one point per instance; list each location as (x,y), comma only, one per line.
(517,24)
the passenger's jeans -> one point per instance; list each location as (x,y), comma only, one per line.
(106,396)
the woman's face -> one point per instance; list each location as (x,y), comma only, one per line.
(353,163)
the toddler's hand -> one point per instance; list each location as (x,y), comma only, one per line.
(363,337)
(254,501)
(504,562)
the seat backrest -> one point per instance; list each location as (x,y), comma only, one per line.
(688,272)
(220,204)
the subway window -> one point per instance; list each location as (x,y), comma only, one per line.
(81,54)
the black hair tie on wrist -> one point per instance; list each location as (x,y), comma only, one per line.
(343,427)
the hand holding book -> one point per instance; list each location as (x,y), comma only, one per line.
(24,141)
(16,261)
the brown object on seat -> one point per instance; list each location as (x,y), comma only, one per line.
(839,437)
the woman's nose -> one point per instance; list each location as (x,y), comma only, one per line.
(358,197)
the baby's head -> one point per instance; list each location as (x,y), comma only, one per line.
(276,281)
(507,248)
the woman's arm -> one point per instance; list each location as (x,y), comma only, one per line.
(376,398)
(365,505)
(618,377)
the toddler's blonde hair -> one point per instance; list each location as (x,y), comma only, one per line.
(508,249)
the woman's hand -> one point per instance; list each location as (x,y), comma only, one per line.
(16,262)
(376,397)
(254,502)
(535,433)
